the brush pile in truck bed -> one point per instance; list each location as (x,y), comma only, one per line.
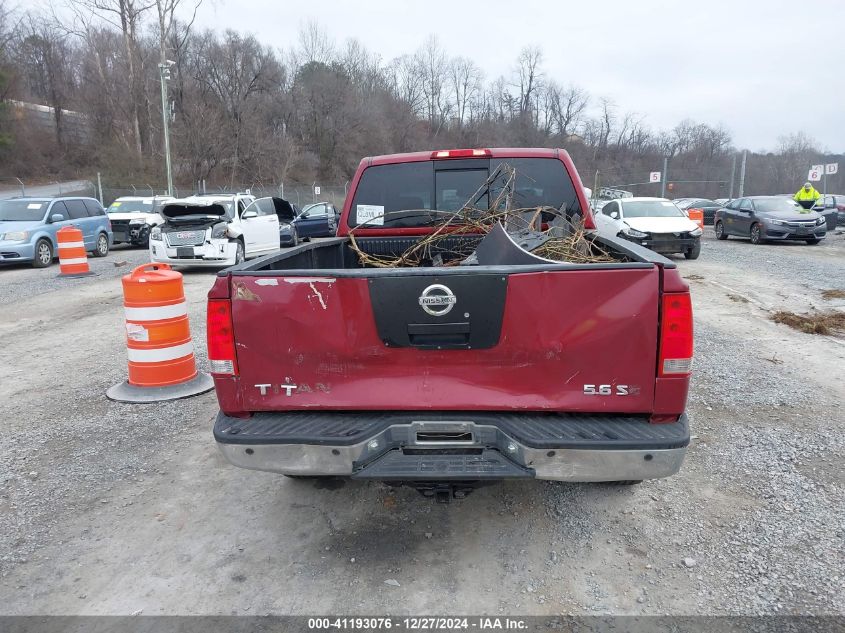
(502,230)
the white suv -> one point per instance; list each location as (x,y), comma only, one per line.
(133,217)
(215,230)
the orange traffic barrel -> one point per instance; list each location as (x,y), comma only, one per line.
(697,215)
(158,339)
(73,260)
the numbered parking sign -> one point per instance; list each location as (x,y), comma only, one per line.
(831,168)
(815,175)
(316,191)
(654,176)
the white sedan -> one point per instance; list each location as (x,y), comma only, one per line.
(655,223)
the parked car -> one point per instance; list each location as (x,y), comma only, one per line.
(832,207)
(317,220)
(133,217)
(763,218)
(655,223)
(288,235)
(28,227)
(709,207)
(215,230)
(448,377)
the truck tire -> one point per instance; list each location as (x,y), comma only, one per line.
(719,229)
(240,252)
(693,252)
(101,247)
(43,254)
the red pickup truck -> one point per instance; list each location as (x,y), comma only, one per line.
(448,377)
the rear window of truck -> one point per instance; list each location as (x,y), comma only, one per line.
(386,193)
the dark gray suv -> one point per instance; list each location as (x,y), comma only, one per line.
(764,218)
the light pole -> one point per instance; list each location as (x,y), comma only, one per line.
(164,72)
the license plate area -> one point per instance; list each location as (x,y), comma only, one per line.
(441,434)
(185,251)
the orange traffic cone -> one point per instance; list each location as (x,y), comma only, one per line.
(158,339)
(73,260)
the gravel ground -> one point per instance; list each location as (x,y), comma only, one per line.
(115,509)
(20,281)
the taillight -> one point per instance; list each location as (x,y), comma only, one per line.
(461,153)
(221,338)
(676,335)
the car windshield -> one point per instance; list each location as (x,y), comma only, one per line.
(22,210)
(651,209)
(777,205)
(131,206)
(422,193)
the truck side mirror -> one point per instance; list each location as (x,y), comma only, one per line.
(246,215)
(614,215)
(57,217)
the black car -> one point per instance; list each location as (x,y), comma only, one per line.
(764,218)
(709,207)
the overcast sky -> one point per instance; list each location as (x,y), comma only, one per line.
(762,68)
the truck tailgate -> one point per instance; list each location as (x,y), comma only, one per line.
(581,340)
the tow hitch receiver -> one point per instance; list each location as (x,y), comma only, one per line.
(444,492)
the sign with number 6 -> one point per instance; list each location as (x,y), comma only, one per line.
(815,175)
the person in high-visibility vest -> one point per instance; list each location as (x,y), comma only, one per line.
(807,195)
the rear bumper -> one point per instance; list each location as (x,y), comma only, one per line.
(455,446)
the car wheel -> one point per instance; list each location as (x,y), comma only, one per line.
(756,234)
(239,253)
(693,252)
(101,249)
(813,241)
(43,254)
(719,229)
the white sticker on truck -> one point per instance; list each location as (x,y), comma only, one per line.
(34,205)
(370,214)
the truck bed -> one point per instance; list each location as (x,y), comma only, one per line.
(316,330)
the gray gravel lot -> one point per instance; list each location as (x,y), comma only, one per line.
(108,508)
(20,281)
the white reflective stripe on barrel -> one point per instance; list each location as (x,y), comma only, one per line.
(73,260)
(156,313)
(71,245)
(160,355)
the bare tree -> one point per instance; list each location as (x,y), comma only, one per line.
(528,76)
(466,79)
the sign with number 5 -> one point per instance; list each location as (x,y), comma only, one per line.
(654,176)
